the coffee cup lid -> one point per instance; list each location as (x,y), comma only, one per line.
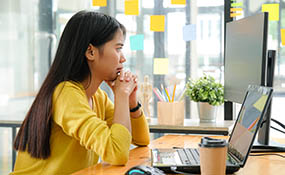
(211,142)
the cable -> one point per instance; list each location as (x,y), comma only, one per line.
(269,154)
(277,129)
(279,123)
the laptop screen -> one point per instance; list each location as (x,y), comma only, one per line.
(248,121)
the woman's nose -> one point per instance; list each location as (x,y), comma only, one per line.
(122,58)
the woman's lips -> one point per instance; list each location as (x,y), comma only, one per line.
(119,71)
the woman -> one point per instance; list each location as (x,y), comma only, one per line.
(72,122)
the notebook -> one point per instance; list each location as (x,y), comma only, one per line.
(240,142)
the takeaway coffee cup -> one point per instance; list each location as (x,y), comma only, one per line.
(213,155)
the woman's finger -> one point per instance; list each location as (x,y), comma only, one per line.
(127,76)
(135,78)
(121,76)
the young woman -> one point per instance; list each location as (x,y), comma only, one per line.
(72,122)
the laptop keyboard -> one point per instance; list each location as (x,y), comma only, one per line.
(189,156)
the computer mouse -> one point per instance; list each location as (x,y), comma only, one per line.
(144,170)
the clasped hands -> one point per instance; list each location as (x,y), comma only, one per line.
(126,83)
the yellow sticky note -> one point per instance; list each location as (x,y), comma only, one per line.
(259,104)
(283,37)
(157,23)
(101,3)
(235,14)
(235,9)
(273,10)
(131,7)
(160,66)
(180,2)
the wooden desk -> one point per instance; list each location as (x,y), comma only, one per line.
(259,165)
(193,126)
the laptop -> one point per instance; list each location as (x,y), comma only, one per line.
(241,139)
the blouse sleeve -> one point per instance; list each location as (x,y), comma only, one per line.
(73,114)
(140,129)
(109,109)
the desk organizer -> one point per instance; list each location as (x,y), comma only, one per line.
(170,113)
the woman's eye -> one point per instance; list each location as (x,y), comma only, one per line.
(120,48)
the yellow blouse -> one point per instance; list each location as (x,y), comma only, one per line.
(80,135)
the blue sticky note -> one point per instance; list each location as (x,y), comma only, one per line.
(136,42)
(189,32)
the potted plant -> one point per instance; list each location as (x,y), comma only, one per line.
(208,94)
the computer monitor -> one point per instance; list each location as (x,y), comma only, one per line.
(245,55)
(246,63)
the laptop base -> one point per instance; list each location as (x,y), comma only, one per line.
(175,170)
(193,169)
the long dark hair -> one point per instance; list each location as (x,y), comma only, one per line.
(70,63)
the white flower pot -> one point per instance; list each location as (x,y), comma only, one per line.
(207,112)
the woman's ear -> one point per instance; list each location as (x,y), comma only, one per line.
(90,52)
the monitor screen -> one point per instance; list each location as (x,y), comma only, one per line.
(245,55)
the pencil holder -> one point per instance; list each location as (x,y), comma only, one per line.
(170,113)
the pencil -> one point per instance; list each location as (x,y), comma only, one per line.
(182,95)
(157,90)
(167,94)
(157,95)
(173,94)
(163,92)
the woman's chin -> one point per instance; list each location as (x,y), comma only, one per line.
(114,78)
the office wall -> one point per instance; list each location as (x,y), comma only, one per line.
(35,27)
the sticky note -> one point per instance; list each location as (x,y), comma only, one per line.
(131,7)
(273,10)
(237,4)
(178,2)
(283,37)
(101,3)
(234,14)
(235,9)
(259,104)
(136,42)
(157,23)
(160,66)
(189,32)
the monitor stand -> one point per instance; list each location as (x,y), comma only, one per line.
(271,147)
(263,142)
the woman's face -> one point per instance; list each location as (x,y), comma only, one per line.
(110,58)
